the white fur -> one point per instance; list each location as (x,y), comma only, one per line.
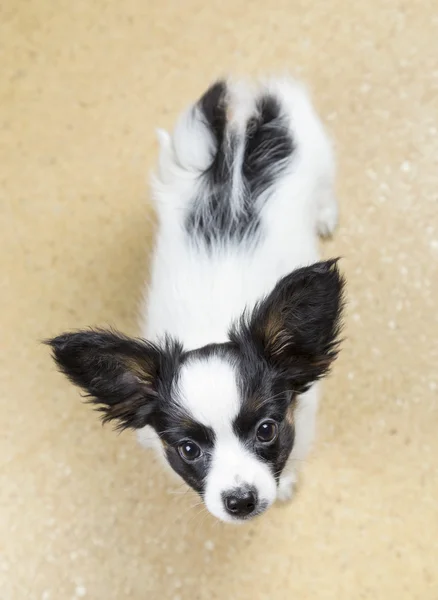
(208,391)
(195,296)
(234,466)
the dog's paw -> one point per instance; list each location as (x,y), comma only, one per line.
(327,218)
(286,488)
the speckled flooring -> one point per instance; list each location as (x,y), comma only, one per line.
(85,513)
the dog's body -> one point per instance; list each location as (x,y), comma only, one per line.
(198,289)
(239,320)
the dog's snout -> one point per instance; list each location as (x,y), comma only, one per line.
(240,502)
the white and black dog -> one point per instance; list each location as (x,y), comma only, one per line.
(241,320)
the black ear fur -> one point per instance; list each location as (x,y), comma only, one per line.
(296,328)
(119,374)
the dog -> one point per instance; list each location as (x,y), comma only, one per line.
(241,318)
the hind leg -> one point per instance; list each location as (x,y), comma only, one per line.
(327,213)
(317,150)
(326,202)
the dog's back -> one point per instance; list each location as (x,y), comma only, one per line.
(243,187)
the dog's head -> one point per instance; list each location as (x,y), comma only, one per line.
(224,412)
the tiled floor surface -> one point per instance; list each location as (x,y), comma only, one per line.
(85,513)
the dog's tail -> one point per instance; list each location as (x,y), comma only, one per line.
(227,154)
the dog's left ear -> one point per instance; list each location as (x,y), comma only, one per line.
(296,328)
(119,374)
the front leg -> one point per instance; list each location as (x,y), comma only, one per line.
(304,422)
(286,486)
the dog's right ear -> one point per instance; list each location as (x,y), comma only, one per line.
(296,327)
(119,374)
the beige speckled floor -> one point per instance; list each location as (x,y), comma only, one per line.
(87,513)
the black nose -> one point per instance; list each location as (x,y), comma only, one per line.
(240,503)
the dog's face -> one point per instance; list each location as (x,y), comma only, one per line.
(228,431)
(224,412)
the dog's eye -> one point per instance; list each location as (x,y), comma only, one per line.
(267,432)
(189,451)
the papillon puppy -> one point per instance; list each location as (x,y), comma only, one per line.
(241,320)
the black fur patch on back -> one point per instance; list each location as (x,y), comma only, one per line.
(213,107)
(267,147)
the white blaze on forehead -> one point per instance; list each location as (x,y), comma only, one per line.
(208,391)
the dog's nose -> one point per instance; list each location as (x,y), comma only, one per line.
(241,503)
